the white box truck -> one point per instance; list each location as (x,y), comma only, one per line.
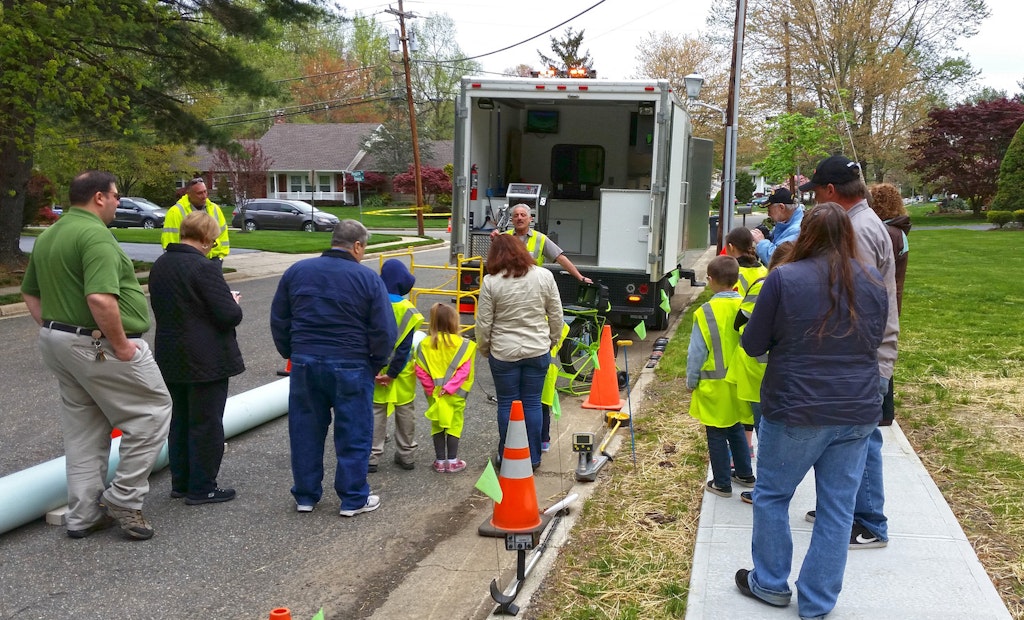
(621,184)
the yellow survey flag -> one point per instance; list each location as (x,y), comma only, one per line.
(488,483)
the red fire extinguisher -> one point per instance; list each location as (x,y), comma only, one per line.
(473,181)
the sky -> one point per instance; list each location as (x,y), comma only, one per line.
(613,29)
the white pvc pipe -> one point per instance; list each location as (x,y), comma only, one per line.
(31,493)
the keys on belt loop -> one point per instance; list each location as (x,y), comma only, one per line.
(98,345)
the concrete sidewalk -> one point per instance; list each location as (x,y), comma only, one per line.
(928,570)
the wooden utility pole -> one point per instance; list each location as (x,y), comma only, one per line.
(732,119)
(412,114)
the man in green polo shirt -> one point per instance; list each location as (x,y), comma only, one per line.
(82,290)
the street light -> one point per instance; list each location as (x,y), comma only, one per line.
(693,83)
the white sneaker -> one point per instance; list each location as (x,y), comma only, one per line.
(303,508)
(372,503)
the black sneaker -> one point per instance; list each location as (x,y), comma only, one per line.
(711,488)
(809,517)
(862,538)
(177,494)
(406,466)
(372,468)
(747,497)
(103,523)
(743,584)
(213,497)
(745,481)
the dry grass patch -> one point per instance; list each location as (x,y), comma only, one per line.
(631,552)
(972,445)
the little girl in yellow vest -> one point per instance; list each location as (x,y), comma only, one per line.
(445,366)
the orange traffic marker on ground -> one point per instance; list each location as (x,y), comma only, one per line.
(604,389)
(449,224)
(518,510)
(287,369)
(281,613)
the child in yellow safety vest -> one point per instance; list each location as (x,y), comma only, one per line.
(395,387)
(713,400)
(445,366)
(747,372)
(739,244)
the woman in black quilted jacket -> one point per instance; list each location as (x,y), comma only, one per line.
(196,315)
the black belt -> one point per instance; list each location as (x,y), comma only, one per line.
(81,331)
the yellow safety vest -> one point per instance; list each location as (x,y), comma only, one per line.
(746,372)
(402,388)
(714,402)
(547,395)
(749,275)
(534,245)
(441,361)
(172,226)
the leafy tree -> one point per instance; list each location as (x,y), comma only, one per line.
(885,63)
(744,187)
(122,67)
(567,53)
(796,143)
(438,66)
(391,146)
(961,148)
(246,171)
(1010,193)
(434,180)
(520,70)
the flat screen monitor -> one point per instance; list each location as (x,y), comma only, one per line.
(542,121)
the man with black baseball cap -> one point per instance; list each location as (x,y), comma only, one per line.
(836,170)
(787,215)
(837,179)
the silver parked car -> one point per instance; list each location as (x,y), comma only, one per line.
(274,214)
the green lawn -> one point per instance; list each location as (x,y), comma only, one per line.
(284,241)
(390,217)
(924,214)
(960,401)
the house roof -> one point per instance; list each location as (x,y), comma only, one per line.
(442,153)
(322,146)
(326,147)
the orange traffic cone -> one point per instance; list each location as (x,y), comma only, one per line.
(449,224)
(604,389)
(518,510)
(281,613)
(287,369)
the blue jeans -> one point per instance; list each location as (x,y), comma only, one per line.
(786,454)
(318,384)
(522,380)
(871,495)
(722,441)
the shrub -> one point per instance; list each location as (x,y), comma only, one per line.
(40,195)
(1018,216)
(377,201)
(1000,218)
(1010,193)
(45,217)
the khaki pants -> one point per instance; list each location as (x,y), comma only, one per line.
(97,396)
(405,428)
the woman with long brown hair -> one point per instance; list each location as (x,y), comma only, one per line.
(519,320)
(821,318)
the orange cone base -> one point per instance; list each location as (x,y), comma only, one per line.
(487,529)
(612,406)
(281,613)
(604,389)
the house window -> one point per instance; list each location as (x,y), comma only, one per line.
(299,183)
(272,184)
(323,183)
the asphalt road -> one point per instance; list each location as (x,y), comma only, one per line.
(241,558)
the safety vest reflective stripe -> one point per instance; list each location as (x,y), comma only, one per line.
(716,346)
(453,366)
(462,355)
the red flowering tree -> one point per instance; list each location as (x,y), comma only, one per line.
(435,182)
(961,148)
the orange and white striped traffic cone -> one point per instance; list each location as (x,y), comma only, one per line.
(449,224)
(518,510)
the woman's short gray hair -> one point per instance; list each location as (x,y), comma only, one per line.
(347,232)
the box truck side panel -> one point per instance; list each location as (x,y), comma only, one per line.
(677,185)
